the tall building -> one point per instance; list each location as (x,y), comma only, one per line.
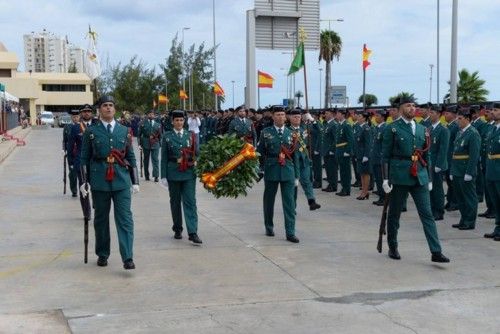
(47,52)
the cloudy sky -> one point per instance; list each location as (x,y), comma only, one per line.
(401,34)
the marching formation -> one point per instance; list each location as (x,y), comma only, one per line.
(390,152)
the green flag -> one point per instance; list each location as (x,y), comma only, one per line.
(299,60)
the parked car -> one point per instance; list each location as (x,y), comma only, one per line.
(47,117)
(64,119)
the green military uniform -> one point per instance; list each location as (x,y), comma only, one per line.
(243,128)
(482,128)
(343,151)
(466,150)
(438,156)
(149,139)
(450,194)
(316,143)
(72,173)
(277,175)
(376,159)
(363,140)
(426,122)
(328,152)
(493,174)
(490,211)
(398,148)
(178,169)
(99,143)
(355,129)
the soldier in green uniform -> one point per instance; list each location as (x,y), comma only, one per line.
(438,154)
(490,123)
(328,151)
(482,128)
(281,169)
(243,127)
(178,154)
(316,131)
(343,151)
(493,169)
(149,142)
(107,150)
(363,140)
(424,113)
(72,173)
(405,170)
(450,116)
(463,170)
(302,152)
(376,153)
(354,161)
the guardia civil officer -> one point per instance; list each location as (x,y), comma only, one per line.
(493,169)
(178,157)
(68,151)
(148,139)
(376,153)
(405,170)
(281,169)
(109,172)
(463,170)
(328,150)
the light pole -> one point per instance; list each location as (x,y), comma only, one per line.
(453,74)
(216,104)
(320,70)
(183,68)
(232,81)
(294,35)
(430,86)
(437,57)
(287,77)
(330,21)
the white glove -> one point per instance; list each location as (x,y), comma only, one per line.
(140,148)
(164,183)
(365,159)
(296,182)
(430,186)
(386,186)
(308,117)
(63,153)
(316,152)
(331,153)
(346,154)
(135,188)
(85,189)
(467,177)
(437,169)
(451,177)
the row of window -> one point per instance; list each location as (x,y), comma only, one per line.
(63,88)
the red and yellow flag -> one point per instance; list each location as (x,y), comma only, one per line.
(218,89)
(265,80)
(366,55)
(154,104)
(183,95)
(162,99)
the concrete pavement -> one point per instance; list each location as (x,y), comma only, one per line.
(239,280)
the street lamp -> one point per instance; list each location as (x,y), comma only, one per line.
(330,21)
(320,70)
(294,35)
(183,66)
(430,87)
(232,81)
(287,92)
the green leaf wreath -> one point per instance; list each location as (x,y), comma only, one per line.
(214,154)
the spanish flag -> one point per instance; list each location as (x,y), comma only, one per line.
(265,80)
(366,55)
(162,99)
(183,95)
(218,89)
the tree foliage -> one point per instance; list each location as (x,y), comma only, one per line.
(402,94)
(470,88)
(370,99)
(330,47)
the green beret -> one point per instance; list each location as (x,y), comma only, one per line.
(177,114)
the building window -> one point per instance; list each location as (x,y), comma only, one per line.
(63,88)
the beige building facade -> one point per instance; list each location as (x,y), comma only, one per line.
(41,91)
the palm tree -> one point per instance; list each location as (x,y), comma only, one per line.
(402,94)
(330,46)
(470,88)
(370,99)
(298,95)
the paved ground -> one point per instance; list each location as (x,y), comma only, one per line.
(238,281)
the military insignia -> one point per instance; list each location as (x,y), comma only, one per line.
(301,149)
(435,141)
(463,143)
(394,130)
(91,136)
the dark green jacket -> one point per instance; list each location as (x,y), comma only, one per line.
(329,140)
(302,150)
(467,143)
(440,140)
(363,141)
(171,148)
(243,129)
(316,132)
(376,147)
(483,128)
(96,147)
(398,145)
(453,128)
(149,135)
(345,139)
(269,148)
(493,155)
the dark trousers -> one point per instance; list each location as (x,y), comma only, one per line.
(465,193)
(421,197)
(437,194)
(450,195)
(479,183)
(494,190)
(487,191)
(317,169)
(354,162)
(123,221)
(345,173)
(73,176)
(332,170)
(377,175)
(183,192)
(287,198)
(154,160)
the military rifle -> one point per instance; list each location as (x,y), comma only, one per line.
(383,223)
(140,158)
(87,212)
(64,173)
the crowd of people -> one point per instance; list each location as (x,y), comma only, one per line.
(391,151)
